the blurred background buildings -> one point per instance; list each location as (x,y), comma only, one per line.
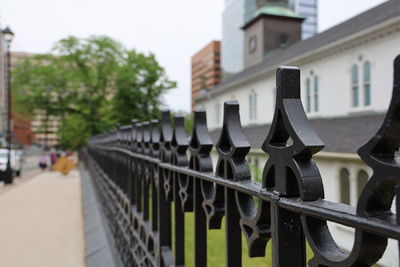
(206,68)
(26,128)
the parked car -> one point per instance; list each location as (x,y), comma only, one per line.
(15,161)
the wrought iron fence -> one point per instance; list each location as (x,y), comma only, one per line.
(142,170)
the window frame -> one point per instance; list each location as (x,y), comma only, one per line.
(252,106)
(361,85)
(355,86)
(312,94)
(367,83)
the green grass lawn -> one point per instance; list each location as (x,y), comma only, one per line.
(216,247)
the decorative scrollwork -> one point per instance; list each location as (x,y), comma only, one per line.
(290,170)
(232,148)
(133,135)
(179,145)
(155,148)
(155,139)
(166,152)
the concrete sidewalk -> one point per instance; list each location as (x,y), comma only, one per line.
(41,223)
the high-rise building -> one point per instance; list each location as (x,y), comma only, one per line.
(235,15)
(238,12)
(308,10)
(206,68)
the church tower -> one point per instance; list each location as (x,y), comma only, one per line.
(272,28)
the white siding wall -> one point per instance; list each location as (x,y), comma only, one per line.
(265,103)
(334,74)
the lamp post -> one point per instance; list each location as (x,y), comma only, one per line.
(8,36)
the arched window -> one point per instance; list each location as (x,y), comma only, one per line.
(316,94)
(354,85)
(308,95)
(362,179)
(344,186)
(367,83)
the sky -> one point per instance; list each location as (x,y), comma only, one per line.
(173,30)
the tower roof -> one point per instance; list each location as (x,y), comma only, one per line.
(276,10)
(273,11)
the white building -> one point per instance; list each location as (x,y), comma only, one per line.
(346,86)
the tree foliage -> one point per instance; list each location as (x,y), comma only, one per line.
(90,85)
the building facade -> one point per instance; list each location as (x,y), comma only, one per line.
(346,86)
(22,133)
(307,9)
(45,129)
(206,69)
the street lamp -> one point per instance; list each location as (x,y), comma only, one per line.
(8,36)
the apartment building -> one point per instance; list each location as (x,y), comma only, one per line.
(206,69)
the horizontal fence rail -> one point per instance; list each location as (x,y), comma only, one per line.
(149,174)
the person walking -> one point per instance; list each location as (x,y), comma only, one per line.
(43,160)
(53,158)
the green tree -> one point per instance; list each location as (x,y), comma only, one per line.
(90,85)
(140,84)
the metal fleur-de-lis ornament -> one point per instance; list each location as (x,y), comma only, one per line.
(146,149)
(179,145)
(139,137)
(200,160)
(155,139)
(146,138)
(165,151)
(155,147)
(200,147)
(179,142)
(232,148)
(375,199)
(289,171)
(133,135)
(291,142)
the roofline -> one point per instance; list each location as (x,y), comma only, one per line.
(232,82)
(263,15)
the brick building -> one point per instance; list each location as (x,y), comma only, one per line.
(206,68)
(21,129)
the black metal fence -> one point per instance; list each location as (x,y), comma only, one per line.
(141,170)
